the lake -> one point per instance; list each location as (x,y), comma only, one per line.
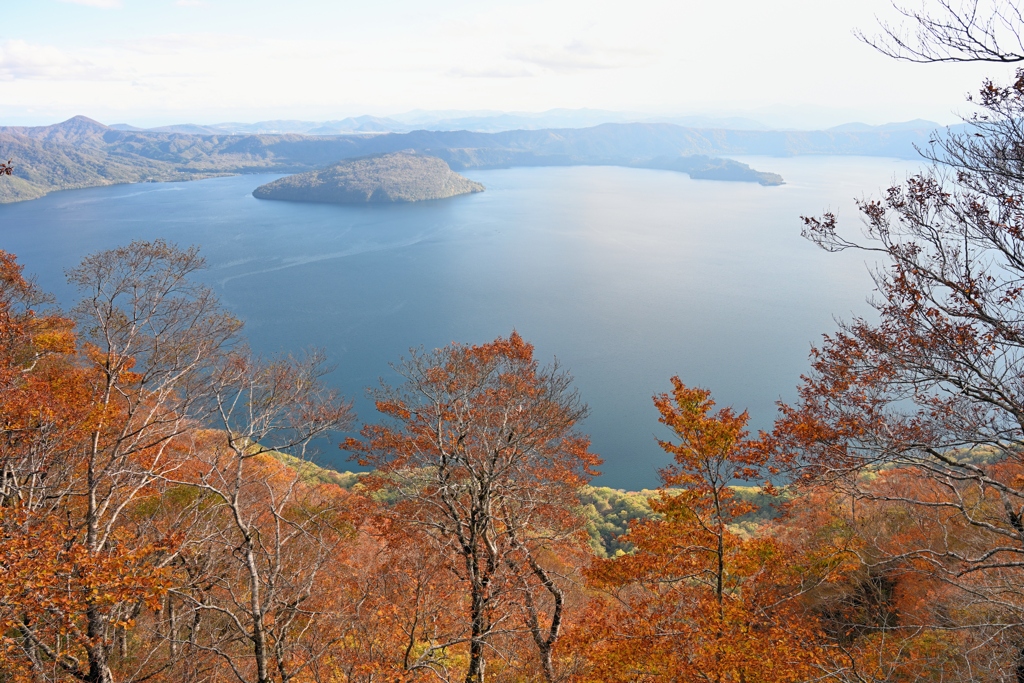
(627,276)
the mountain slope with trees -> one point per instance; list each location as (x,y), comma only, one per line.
(81,152)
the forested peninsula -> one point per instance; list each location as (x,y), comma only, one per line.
(380,179)
(81,152)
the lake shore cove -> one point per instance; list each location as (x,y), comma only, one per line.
(384,178)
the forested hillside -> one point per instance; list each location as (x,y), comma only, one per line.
(81,152)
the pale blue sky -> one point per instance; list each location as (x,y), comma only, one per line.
(150,62)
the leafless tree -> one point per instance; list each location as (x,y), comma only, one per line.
(264,541)
(948,31)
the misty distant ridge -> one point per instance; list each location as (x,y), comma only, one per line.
(479,122)
(82,152)
(915,125)
(494,122)
(348,126)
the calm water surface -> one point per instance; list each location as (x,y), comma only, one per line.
(628,276)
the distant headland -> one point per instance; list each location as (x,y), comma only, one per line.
(702,167)
(382,178)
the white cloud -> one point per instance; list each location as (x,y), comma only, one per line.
(394,55)
(102,4)
(178,44)
(20,59)
(580,55)
(492,72)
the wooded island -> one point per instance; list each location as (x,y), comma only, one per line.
(385,178)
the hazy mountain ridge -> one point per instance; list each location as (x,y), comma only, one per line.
(495,122)
(384,178)
(81,152)
(480,122)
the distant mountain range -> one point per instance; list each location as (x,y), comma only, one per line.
(81,152)
(490,122)
(479,122)
(359,124)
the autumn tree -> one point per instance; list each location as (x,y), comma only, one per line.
(35,347)
(157,518)
(888,615)
(43,404)
(697,600)
(262,555)
(403,596)
(89,442)
(931,385)
(483,459)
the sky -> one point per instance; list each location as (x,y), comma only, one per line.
(788,63)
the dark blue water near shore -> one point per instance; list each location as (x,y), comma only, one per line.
(628,276)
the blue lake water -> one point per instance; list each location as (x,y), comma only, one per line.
(628,276)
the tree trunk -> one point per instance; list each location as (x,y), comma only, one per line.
(475,672)
(99,672)
(259,635)
(99,668)
(545,642)
(546,664)
(95,624)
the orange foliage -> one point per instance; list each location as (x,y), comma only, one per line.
(695,601)
(485,464)
(59,585)
(152,529)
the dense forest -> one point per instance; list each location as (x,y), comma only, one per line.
(161,518)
